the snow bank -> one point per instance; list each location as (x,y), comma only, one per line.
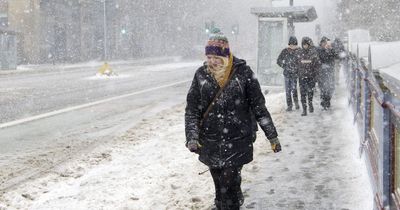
(391,77)
(385,54)
(357,36)
(90,64)
(363,48)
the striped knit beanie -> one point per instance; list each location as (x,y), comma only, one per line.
(217,44)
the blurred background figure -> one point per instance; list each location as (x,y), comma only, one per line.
(326,74)
(340,53)
(309,64)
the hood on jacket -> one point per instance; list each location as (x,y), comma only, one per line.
(324,39)
(237,61)
(307,40)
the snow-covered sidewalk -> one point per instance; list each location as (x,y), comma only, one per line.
(150,168)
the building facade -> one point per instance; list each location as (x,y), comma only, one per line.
(60,31)
(56,31)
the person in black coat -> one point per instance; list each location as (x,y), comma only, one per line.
(223,136)
(339,49)
(288,60)
(326,75)
(309,64)
(341,56)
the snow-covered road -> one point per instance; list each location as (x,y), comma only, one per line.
(148,167)
(40,91)
(77,115)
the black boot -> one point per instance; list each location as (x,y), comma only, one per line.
(323,104)
(304,110)
(217,203)
(311,107)
(289,109)
(304,105)
(328,104)
(296,104)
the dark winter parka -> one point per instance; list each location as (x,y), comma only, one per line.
(339,49)
(327,56)
(326,74)
(226,135)
(309,62)
(288,60)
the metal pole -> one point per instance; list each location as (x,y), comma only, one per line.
(367,112)
(385,153)
(105,31)
(290,22)
(291,27)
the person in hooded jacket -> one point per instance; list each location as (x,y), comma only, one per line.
(341,55)
(309,64)
(220,128)
(288,60)
(326,75)
(339,49)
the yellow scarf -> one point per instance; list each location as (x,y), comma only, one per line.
(222,72)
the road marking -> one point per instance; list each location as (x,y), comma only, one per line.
(57,112)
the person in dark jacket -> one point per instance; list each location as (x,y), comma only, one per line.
(341,55)
(288,60)
(339,49)
(326,75)
(309,64)
(223,136)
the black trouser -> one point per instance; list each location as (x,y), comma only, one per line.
(306,90)
(227,186)
(291,89)
(326,84)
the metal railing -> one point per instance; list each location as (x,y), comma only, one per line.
(377,118)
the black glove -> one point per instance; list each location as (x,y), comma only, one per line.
(193,146)
(275,145)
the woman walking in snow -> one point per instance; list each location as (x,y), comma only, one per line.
(222,101)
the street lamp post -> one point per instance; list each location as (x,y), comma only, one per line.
(290,22)
(105,31)
(105,68)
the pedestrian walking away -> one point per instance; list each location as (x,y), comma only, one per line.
(309,64)
(288,60)
(223,99)
(326,74)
